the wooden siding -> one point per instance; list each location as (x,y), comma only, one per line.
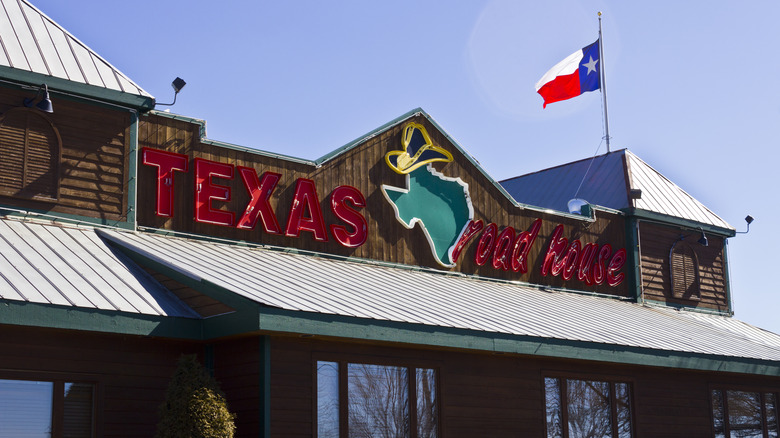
(364,168)
(131,373)
(500,395)
(655,244)
(93,158)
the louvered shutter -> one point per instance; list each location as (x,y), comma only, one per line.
(29,155)
(685,272)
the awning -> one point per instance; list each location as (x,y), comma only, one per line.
(417,302)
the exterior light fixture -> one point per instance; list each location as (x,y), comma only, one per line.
(177,85)
(749,219)
(43,103)
(575,205)
(703,239)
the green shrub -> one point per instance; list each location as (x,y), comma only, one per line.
(194,406)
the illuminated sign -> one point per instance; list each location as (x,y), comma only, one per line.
(304,214)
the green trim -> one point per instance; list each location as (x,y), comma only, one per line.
(664,219)
(265,386)
(95,320)
(396,332)
(688,308)
(12,211)
(634,265)
(132,182)
(727,273)
(134,101)
(231,146)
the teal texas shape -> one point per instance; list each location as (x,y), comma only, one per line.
(440,204)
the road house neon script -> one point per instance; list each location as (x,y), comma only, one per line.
(304,213)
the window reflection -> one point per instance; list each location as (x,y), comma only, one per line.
(327,399)
(589,409)
(25,409)
(378,401)
(744,414)
(585,408)
(427,404)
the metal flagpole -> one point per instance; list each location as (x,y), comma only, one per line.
(603,84)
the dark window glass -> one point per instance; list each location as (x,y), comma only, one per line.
(25,409)
(718,414)
(744,409)
(553,412)
(589,409)
(376,401)
(585,408)
(770,406)
(744,414)
(327,399)
(623,402)
(77,410)
(427,404)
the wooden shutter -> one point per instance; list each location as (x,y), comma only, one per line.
(29,155)
(684,272)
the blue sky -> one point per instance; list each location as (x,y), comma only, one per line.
(692,87)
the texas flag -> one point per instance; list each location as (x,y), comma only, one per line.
(576,74)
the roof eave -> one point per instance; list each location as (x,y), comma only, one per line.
(75,89)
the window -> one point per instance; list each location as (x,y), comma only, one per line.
(586,408)
(44,409)
(29,155)
(744,414)
(368,400)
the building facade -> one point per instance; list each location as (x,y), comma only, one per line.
(390,288)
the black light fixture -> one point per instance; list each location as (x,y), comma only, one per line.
(42,103)
(703,239)
(177,85)
(749,219)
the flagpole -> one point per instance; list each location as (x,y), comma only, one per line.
(603,84)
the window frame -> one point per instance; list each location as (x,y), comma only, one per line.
(611,379)
(724,389)
(58,381)
(343,361)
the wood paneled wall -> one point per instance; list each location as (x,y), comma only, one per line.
(94,157)
(364,168)
(655,244)
(131,373)
(501,395)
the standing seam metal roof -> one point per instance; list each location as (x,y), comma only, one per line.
(31,41)
(67,266)
(362,290)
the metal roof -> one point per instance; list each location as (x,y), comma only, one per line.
(306,283)
(605,180)
(67,266)
(30,41)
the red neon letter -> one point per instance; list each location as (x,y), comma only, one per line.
(523,245)
(570,264)
(616,264)
(259,207)
(338,204)
(585,271)
(503,248)
(206,192)
(305,198)
(555,257)
(599,272)
(470,231)
(486,244)
(167,163)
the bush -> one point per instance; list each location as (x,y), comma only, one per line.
(194,405)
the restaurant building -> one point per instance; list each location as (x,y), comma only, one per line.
(391,288)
